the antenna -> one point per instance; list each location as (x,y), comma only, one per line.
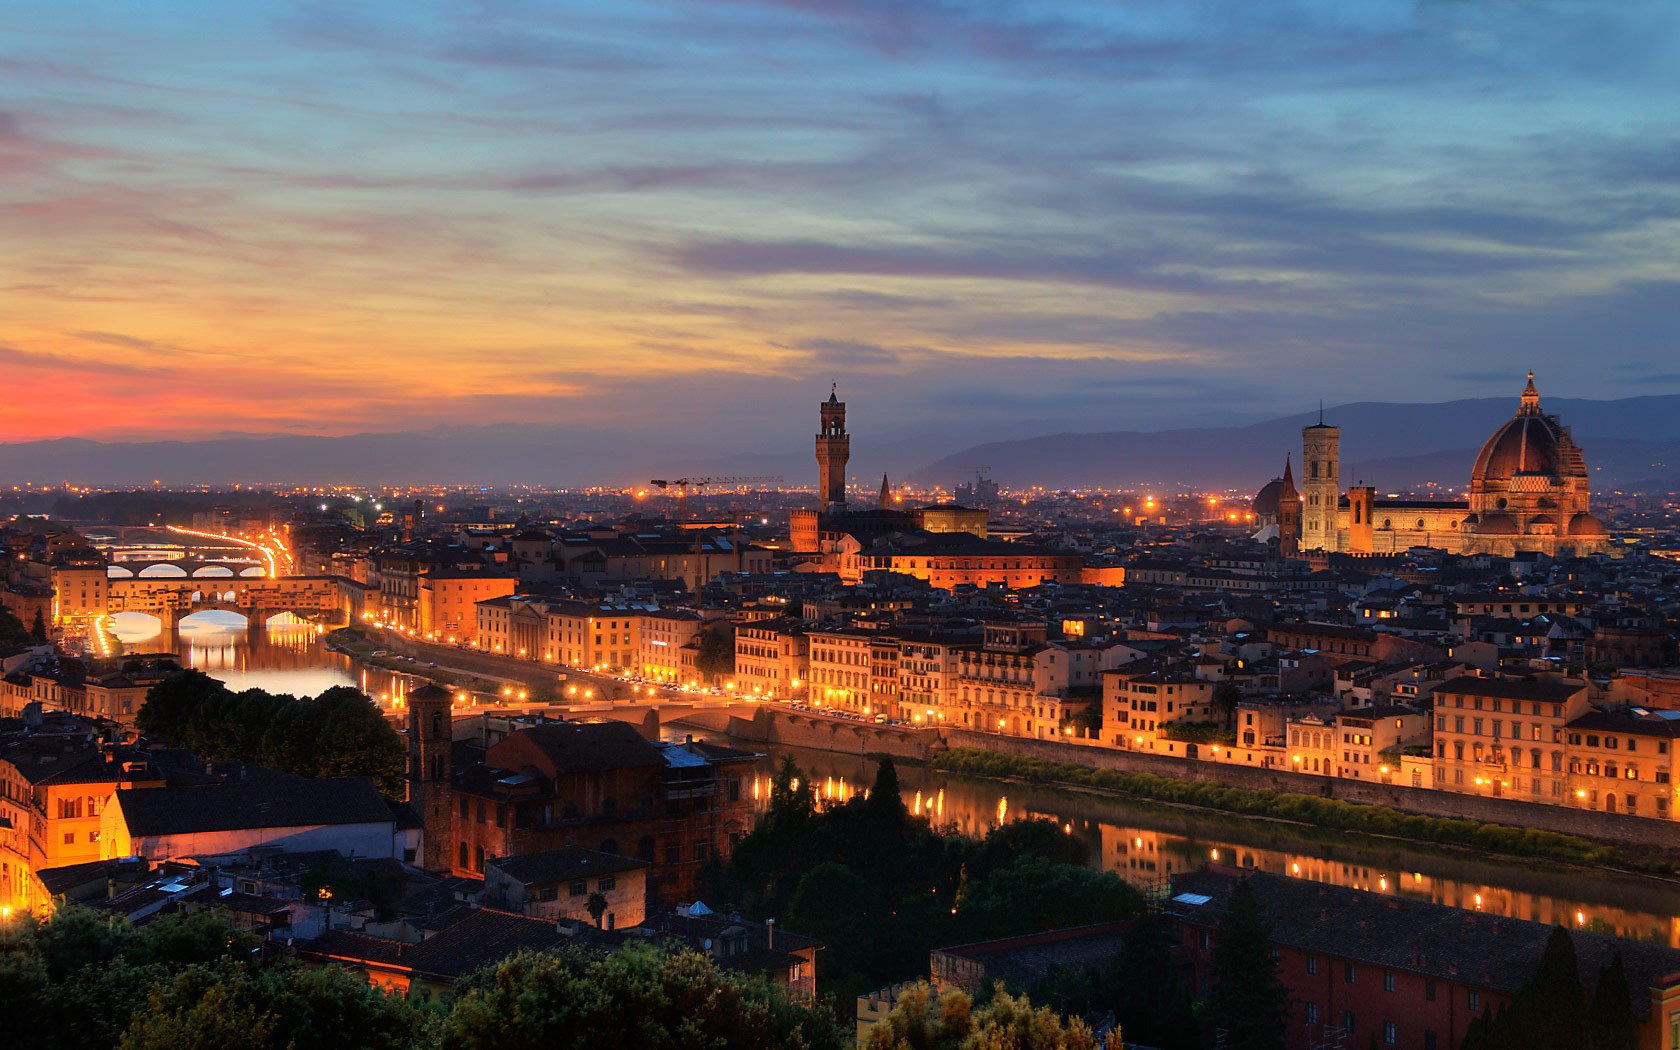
(1321,411)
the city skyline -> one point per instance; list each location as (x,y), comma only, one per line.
(292,219)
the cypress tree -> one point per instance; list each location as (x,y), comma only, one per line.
(38,630)
(1248,1003)
(1610,1015)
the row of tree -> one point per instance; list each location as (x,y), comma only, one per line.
(14,635)
(339,733)
(1554,1011)
(881,889)
(85,981)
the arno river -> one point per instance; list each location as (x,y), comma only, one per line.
(1144,843)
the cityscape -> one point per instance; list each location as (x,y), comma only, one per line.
(813,526)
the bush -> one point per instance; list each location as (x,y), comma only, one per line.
(1306,809)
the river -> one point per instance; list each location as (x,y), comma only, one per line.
(1144,843)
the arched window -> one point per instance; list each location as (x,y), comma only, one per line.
(478,859)
(462,856)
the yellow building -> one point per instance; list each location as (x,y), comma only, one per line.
(591,636)
(841,669)
(772,657)
(669,645)
(1506,738)
(448,601)
(55,782)
(1137,704)
(1622,761)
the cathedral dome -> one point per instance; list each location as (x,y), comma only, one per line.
(1266,500)
(1530,442)
(1497,525)
(1586,526)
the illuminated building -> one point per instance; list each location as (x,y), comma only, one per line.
(448,599)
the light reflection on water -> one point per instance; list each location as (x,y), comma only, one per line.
(286,655)
(1147,845)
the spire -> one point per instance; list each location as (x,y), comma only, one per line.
(1530,398)
(1288,469)
(886,493)
(834,393)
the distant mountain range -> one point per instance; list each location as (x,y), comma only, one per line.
(1632,443)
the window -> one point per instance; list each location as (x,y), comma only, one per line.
(1347,1020)
(1429,991)
(1312,964)
(1388,980)
(1312,1013)
(69,838)
(1389,1035)
(578,888)
(1475,1001)
(1347,972)
(608,883)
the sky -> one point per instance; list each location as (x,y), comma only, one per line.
(683,220)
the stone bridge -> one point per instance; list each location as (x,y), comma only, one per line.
(169,598)
(186,569)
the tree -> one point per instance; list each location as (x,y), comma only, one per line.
(1248,1002)
(950,1021)
(597,906)
(636,997)
(1038,894)
(716,656)
(233,1006)
(38,629)
(1039,837)
(885,809)
(1143,988)
(1610,1014)
(340,733)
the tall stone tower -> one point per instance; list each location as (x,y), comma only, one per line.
(1321,453)
(430,737)
(1362,504)
(834,448)
(1288,514)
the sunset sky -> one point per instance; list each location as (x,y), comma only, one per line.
(691,216)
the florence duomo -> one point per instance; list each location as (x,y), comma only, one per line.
(1528,492)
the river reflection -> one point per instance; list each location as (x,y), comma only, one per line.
(285,655)
(1148,844)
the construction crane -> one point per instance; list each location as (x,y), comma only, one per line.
(700,484)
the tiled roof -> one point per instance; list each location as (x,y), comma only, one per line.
(266,803)
(1416,936)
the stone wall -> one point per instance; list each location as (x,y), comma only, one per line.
(1616,828)
(772,726)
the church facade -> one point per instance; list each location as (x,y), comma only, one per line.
(1528,492)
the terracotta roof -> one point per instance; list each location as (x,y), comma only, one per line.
(266,803)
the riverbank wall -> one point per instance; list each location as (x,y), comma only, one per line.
(843,736)
(1615,828)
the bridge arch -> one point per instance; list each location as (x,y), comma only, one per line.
(119,572)
(163,570)
(205,571)
(212,620)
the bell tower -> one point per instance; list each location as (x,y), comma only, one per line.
(1321,453)
(430,780)
(834,448)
